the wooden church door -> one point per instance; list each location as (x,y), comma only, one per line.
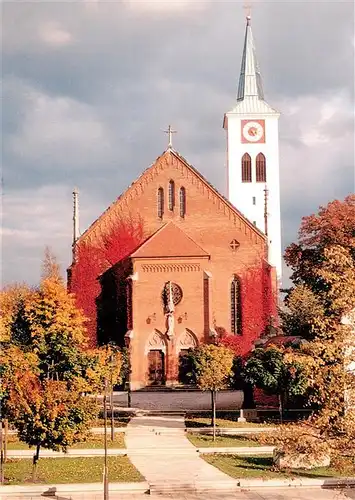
(156,368)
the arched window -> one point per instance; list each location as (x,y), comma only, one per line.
(171,195)
(236,316)
(182,202)
(246,168)
(260,168)
(160,202)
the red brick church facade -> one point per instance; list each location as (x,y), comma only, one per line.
(183,266)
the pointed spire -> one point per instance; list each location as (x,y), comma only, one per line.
(250,84)
(75,215)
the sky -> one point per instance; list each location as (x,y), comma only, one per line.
(89,87)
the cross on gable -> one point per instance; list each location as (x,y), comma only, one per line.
(170,132)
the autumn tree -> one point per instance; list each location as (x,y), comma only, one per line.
(13,327)
(301,306)
(213,366)
(270,370)
(56,327)
(332,225)
(46,413)
(323,264)
(47,368)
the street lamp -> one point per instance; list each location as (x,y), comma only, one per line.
(112,362)
(105,444)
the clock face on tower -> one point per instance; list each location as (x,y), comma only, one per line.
(253,131)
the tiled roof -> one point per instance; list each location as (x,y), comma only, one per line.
(169,241)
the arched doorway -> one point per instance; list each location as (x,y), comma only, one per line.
(185,343)
(156,353)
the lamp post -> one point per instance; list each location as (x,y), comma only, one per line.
(112,360)
(105,444)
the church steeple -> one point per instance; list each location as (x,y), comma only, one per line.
(253,153)
(250,84)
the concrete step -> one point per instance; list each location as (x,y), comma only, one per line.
(198,486)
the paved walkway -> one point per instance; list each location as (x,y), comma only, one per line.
(174,460)
(264,494)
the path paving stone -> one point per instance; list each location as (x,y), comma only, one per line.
(166,471)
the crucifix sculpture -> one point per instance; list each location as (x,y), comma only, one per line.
(170,133)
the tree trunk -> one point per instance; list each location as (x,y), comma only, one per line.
(6,424)
(1,455)
(112,414)
(35,462)
(281,407)
(213,397)
(248,400)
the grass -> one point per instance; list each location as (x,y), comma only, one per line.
(94,441)
(70,470)
(221,441)
(262,468)
(220,422)
(118,422)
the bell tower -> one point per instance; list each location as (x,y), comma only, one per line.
(253,153)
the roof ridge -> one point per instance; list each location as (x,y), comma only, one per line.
(193,250)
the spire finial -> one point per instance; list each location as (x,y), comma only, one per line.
(75,215)
(170,133)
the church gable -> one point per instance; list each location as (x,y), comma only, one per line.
(169,241)
(142,197)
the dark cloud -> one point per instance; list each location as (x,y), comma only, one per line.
(89,88)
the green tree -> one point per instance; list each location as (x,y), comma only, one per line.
(213,366)
(270,370)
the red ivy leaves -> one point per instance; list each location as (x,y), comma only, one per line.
(259,310)
(94,259)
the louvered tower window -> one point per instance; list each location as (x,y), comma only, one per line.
(182,197)
(171,195)
(246,168)
(260,168)
(160,202)
(236,319)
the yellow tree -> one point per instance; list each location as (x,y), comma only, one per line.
(12,325)
(46,413)
(213,367)
(56,328)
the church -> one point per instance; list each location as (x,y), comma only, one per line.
(172,263)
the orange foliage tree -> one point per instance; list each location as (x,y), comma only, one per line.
(323,264)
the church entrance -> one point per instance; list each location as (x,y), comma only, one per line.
(184,367)
(156,367)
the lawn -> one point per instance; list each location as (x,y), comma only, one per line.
(262,467)
(221,441)
(220,422)
(94,441)
(70,470)
(118,422)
